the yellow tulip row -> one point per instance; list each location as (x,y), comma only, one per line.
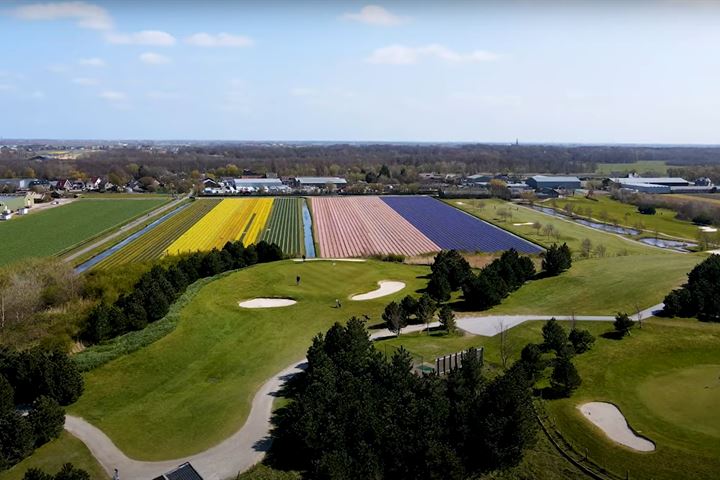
(231,220)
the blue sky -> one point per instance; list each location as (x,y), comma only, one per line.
(610,72)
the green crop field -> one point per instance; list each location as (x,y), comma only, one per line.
(193,388)
(154,243)
(56,230)
(51,457)
(285,227)
(643,166)
(608,210)
(569,232)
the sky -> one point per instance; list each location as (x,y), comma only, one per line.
(452,71)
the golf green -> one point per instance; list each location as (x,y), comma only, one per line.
(687,397)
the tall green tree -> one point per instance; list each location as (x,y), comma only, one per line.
(554,336)
(623,323)
(565,378)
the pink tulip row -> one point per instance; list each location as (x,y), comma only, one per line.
(362,226)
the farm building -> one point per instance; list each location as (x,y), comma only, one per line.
(635,180)
(319,182)
(252,184)
(16,202)
(539,182)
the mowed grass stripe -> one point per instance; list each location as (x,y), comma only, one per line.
(153,243)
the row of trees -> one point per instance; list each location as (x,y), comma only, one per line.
(156,290)
(700,296)
(38,381)
(355,414)
(565,377)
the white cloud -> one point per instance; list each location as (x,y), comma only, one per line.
(85,81)
(37,95)
(155,38)
(219,40)
(92,62)
(154,58)
(58,68)
(113,96)
(404,55)
(375,15)
(163,95)
(87,15)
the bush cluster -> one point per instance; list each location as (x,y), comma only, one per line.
(67,472)
(156,290)
(495,282)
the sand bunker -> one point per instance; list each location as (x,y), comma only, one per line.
(387,287)
(708,229)
(610,420)
(522,224)
(267,303)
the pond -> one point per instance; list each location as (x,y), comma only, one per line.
(605,227)
(671,244)
(307,228)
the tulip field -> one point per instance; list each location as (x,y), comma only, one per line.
(154,243)
(409,225)
(284,227)
(233,219)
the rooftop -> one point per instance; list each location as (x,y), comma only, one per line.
(554,178)
(320,180)
(639,180)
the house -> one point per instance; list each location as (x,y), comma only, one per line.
(539,182)
(94,183)
(183,472)
(16,183)
(246,184)
(78,186)
(210,183)
(62,184)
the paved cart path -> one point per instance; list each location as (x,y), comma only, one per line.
(248,445)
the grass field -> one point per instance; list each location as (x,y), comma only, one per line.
(232,219)
(153,244)
(59,229)
(610,211)
(658,377)
(571,233)
(643,166)
(193,388)
(603,286)
(664,378)
(51,456)
(285,227)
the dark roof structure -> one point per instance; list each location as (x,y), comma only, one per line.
(183,472)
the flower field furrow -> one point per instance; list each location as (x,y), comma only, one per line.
(362,226)
(284,227)
(452,229)
(153,244)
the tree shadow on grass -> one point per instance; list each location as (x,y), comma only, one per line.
(612,335)
(548,393)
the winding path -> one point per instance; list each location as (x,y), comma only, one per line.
(247,446)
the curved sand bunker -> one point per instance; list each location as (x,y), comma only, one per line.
(387,287)
(267,303)
(610,420)
(356,260)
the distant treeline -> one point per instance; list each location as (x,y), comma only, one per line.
(354,161)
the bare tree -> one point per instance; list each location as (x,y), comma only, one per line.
(537,226)
(505,347)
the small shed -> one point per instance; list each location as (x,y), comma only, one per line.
(183,472)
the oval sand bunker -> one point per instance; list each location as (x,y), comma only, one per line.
(267,303)
(387,287)
(608,418)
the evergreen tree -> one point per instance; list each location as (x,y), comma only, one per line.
(554,336)
(439,288)
(581,340)
(426,308)
(36,474)
(556,259)
(7,396)
(69,472)
(47,419)
(409,306)
(565,378)
(16,439)
(623,324)
(394,318)
(447,319)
